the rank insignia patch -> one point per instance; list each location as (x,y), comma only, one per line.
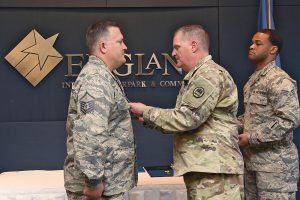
(87,103)
(198,92)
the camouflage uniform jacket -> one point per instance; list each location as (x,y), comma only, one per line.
(203,121)
(100,143)
(271,114)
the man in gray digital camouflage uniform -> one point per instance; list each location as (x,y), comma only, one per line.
(100,158)
(206,150)
(271,115)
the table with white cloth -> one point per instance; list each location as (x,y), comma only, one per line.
(49,185)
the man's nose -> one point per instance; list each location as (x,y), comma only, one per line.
(124,46)
(173,53)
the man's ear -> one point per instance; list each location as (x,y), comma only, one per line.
(194,46)
(102,47)
(274,50)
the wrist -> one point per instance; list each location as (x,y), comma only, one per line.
(93,183)
(249,139)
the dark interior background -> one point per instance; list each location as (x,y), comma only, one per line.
(32,119)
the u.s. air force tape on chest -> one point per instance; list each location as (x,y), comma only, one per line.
(198,92)
(87,103)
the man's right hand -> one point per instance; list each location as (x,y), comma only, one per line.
(95,193)
(137,108)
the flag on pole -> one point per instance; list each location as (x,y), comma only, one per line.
(265,19)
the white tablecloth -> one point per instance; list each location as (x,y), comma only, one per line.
(48,185)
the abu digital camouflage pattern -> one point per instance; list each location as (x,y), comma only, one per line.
(203,121)
(270,185)
(100,144)
(271,114)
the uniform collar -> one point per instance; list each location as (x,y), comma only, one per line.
(263,72)
(267,68)
(197,67)
(97,61)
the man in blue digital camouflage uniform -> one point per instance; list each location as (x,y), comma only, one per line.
(206,150)
(100,158)
(271,114)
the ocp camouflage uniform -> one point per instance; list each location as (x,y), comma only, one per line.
(206,137)
(271,115)
(100,143)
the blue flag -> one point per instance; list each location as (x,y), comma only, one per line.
(265,19)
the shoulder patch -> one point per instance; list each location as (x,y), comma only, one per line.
(87,103)
(198,92)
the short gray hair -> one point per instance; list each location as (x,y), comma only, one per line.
(195,31)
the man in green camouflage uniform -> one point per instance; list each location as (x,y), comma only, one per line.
(203,121)
(100,158)
(271,115)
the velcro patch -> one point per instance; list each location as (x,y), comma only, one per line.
(198,92)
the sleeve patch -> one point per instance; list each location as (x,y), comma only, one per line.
(198,92)
(87,103)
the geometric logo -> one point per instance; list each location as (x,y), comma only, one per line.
(34,57)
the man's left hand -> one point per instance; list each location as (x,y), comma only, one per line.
(244,139)
(94,193)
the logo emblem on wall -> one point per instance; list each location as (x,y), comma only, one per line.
(34,57)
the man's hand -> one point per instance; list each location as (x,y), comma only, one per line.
(244,139)
(95,193)
(137,109)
